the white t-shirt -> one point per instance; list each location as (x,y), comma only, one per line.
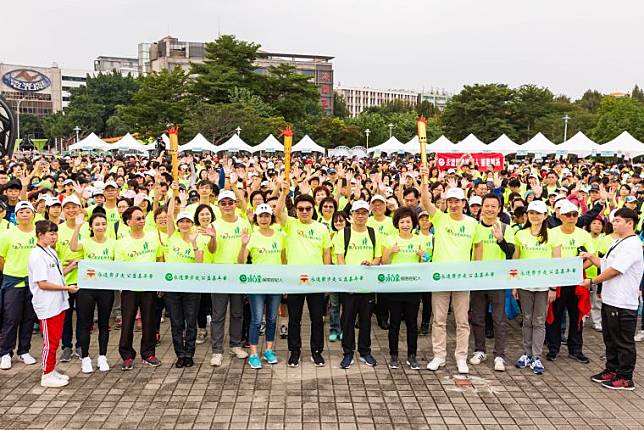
(44,265)
(623,290)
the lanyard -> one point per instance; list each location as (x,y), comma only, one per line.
(615,245)
(55,257)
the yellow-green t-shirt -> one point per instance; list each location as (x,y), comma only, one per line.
(229,239)
(360,247)
(305,243)
(530,248)
(428,243)
(64,251)
(453,239)
(144,250)
(408,248)
(178,250)
(92,250)
(202,243)
(15,249)
(491,250)
(570,242)
(601,244)
(265,249)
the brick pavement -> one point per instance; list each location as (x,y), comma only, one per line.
(236,396)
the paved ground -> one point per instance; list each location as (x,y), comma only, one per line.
(235,396)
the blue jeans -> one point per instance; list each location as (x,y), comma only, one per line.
(257,302)
(334,313)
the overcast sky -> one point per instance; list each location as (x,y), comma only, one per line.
(567,45)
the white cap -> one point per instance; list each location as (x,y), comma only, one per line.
(455,193)
(52,201)
(611,216)
(71,199)
(97,192)
(24,205)
(538,206)
(99,184)
(111,183)
(378,197)
(568,207)
(226,194)
(184,215)
(68,181)
(476,200)
(43,197)
(560,201)
(263,209)
(451,171)
(360,204)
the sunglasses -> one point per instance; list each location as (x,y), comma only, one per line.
(225,203)
(328,207)
(304,208)
(139,218)
(571,214)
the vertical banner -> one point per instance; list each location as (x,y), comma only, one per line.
(421,124)
(484,161)
(288,143)
(173,134)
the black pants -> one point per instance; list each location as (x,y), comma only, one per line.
(567,301)
(246,319)
(479,306)
(159,306)
(183,309)
(427,309)
(18,318)
(131,301)
(295,304)
(360,306)
(67,340)
(381,309)
(205,308)
(619,327)
(86,302)
(403,305)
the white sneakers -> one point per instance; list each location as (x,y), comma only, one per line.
(52,380)
(638,337)
(60,375)
(86,365)
(462,367)
(27,359)
(5,362)
(436,363)
(216,359)
(238,352)
(478,357)
(499,364)
(101,362)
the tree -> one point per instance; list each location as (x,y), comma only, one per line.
(340,108)
(31,125)
(637,94)
(485,110)
(245,97)
(590,100)
(394,106)
(228,64)
(331,131)
(56,125)
(552,125)
(162,99)
(530,103)
(427,109)
(291,94)
(618,114)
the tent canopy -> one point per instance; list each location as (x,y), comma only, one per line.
(307,145)
(270,144)
(198,143)
(390,146)
(127,143)
(470,144)
(539,144)
(504,145)
(340,151)
(442,144)
(579,145)
(89,143)
(625,144)
(234,144)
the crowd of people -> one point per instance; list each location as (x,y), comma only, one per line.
(57,211)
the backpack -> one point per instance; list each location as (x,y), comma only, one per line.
(347,238)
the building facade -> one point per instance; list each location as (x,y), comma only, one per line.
(358,99)
(123,65)
(31,90)
(72,78)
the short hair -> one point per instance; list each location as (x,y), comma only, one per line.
(411,190)
(627,214)
(201,207)
(405,212)
(203,183)
(127,215)
(492,196)
(45,226)
(304,198)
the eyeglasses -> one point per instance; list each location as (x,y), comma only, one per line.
(225,203)
(139,218)
(328,207)
(571,214)
(304,208)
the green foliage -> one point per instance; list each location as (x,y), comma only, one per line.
(529,104)
(617,114)
(637,94)
(340,108)
(427,109)
(290,93)
(394,106)
(590,100)
(245,97)
(31,125)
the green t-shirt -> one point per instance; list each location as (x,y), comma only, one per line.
(453,239)
(178,250)
(601,244)
(570,242)
(529,246)
(265,249)
(408,248)
(428,243)
(15,249)
(144,250)
(202,243)
(360,247)
(64,251)
(491,250)
(384,227)
(305,243)
(229,239)
(93,250)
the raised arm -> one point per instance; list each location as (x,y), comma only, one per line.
(74,245)
(170,219)
(280,208)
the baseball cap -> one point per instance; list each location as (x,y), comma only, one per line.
(378,197)
(71,199)
(476,200)
(111,183)
(455,193)
(263,209)
(594,188)
(422,214)
(52,201)
(24,205)
(68,182)
(97,192)
(14,183)
(538,206)
(568,207)
(630,199)
(184,215)
(359,204)
(226,194)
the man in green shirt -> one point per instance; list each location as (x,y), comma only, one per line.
(307,242)
(384,227)
(357,244)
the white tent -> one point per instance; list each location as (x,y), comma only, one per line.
(539,144)
(442,144)
(307,145)
(470,144)
(198,143)
(624,144)
(390,146)
(504,145)
(89,143)
(340,151)
(579,145)
(359,151)
(270,144)
(412,147)
(234,144)
(127,143)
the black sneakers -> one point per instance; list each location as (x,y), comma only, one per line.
(294,359)
(412,362)
(317,359)
(603,376)
(347,361)
(580,357)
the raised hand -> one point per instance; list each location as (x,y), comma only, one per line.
(497,231)
(80,219)
(245,237)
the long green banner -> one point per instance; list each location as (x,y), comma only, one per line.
(259,279)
